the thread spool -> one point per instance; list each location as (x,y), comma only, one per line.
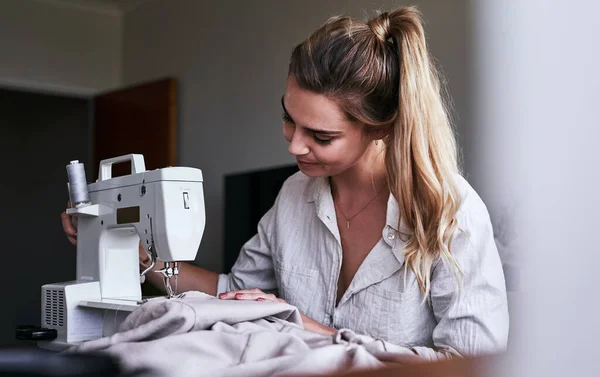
(78,191)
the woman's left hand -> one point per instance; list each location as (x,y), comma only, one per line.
(250,295)
(258,295)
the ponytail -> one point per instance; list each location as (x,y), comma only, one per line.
(421,154)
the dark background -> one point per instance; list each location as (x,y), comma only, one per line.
(39,135)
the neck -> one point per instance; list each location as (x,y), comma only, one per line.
(367,175)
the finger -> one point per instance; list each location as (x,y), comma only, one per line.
(67,225)
(231,294)
(252,296)
(271,299)
(142,253)
(72,240)
(268,299)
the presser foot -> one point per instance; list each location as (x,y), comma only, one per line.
(170,274)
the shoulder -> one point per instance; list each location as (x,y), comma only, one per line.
(301,189)
(289,206)
(474,224)
(297,192)
(294,214)
(473,245)
(296,185)
(472,208)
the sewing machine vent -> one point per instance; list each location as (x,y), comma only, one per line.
(54,307)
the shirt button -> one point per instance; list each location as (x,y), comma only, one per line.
(391,236)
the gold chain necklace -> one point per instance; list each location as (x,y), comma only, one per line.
(356,214)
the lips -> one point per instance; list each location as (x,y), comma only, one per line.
(305,162)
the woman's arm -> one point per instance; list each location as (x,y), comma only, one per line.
(314,326)
(472,315)
(190,278)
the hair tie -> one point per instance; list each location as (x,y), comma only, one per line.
(380,26)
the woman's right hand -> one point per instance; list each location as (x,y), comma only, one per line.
(68,227)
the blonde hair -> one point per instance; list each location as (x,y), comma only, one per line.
(380,73)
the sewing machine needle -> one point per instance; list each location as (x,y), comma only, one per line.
(168,287)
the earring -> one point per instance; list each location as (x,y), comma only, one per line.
(376,142)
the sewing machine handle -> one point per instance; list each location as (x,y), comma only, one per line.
(137,165)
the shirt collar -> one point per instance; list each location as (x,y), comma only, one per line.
(316,188)
(319,187)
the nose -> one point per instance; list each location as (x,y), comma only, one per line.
(297,146)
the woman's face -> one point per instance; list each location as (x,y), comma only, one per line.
(323,141)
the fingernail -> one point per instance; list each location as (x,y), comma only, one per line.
(260,299)
(221,295)
(239,295)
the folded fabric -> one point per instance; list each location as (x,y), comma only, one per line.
(200,335)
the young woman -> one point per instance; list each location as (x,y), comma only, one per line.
(378,233)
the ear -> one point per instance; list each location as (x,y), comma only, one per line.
(378,132)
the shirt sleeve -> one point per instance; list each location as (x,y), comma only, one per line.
(254,266)
(472,313)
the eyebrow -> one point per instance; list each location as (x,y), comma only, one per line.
(315,130)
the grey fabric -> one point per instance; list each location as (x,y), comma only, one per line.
(297,254)
(199,335)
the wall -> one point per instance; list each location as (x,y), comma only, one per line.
(492,139)
(536,64)
(48,47)
(35,147)
(231,62)
(56,47)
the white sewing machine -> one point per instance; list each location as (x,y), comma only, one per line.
(163,209)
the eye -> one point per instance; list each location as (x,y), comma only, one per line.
(286,118)
(322,140)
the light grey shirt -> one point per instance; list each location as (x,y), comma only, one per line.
(297,254)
